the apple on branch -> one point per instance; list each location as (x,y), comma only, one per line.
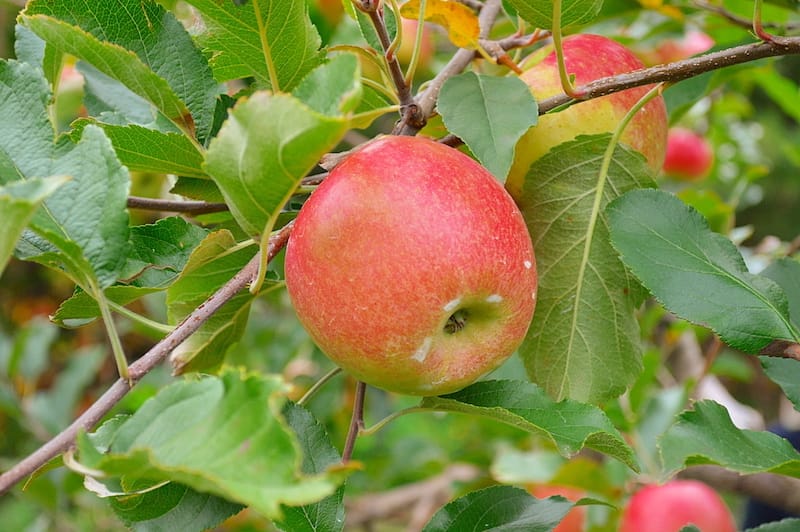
(670,507)
(412,268)
(689,156)
(588,57)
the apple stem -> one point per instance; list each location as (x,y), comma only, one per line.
(456,322)
(566,82)
(356,422)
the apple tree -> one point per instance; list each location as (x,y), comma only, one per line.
(523,302)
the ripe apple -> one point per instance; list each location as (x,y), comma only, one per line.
(588,57)
(574,520)
(412,268)
(689,156)
(674,505)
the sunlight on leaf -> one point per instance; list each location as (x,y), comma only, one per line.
(460,21)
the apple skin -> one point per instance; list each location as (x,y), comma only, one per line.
(689,156)
(574,520)
(671,506)
(412,268)
(588,57)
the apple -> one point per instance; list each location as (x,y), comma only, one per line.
(574,520)
(412,268)
(689,156)
(670,50)
(674,505)
(406,48)
(588,57)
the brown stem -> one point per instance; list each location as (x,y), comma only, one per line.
(65,439)
(193,207)
(409,110)
(426,101)
(356,422)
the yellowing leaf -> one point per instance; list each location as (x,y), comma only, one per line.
(460,21)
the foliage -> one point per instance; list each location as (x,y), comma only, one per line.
(153,155)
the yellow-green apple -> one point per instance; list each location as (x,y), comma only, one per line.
(689,155)
(412,268)
(670,507)
(588,57)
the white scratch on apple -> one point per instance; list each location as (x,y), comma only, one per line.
(422,352)
(528,264)
(452,304)
(494,298)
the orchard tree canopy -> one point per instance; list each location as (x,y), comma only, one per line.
(330,265)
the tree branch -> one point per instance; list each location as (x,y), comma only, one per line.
(426,101)
(678,71)
(141,367)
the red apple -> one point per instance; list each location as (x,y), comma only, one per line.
(574,520)
(674,505)
(412,268)
(589,57)
(689,156)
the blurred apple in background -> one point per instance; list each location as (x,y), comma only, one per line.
(689,155)
(406,48)
(692,43)
(575,519)
(588,57)
(670,507)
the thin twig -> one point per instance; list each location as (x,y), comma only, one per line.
(193,207)
(426,101)
(678,71)
(356,422)
(66,438)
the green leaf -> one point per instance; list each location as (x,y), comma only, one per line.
(26,134)
(499,508)
(158,254)
(19,200)
(223,436)
(584,339)
(696,273)
(91,234)
(108,34)
(785,372)
(270,40)
(173,507)
(142,149)
(55,408)
(112,103)
(784,525)
(786,272)
(114,61)
(264,149)
(539,13)
(706,435)
(366,27)
(334,88)
(213,263)
(319,454)
(570,425)
(489,114)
